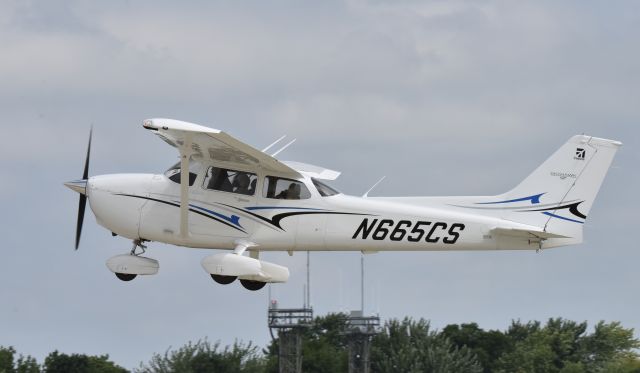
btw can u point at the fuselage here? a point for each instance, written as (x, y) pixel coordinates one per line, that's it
(147, 207)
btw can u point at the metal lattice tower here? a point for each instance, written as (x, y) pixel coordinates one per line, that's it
(289, 324)
(359, 331)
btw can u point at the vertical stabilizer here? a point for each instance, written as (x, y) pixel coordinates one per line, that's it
(558, 195)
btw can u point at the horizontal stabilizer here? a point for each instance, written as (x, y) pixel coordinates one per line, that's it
(529, 234)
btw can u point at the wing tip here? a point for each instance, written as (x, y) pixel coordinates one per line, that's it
(165, 124)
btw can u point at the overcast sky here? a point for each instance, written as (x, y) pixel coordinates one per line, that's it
(444, 98)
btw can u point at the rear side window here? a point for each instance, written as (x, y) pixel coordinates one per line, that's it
(232, 181)
(280, 188)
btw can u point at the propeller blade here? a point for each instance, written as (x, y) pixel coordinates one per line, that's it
(83, 198)
(81, 206)
(85, 174)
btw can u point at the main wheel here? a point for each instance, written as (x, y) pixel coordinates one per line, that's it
(224, 280)
(252, 285)
(125, 276)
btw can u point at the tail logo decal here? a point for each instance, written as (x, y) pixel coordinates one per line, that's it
(580, 154)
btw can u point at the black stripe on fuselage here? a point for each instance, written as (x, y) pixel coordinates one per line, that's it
(190, 209)
(276, 219)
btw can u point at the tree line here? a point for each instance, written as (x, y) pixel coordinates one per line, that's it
(408, 345)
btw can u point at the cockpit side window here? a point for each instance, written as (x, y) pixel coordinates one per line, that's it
(173, 173)
(232, 181)
(280, 188)
(323, 188)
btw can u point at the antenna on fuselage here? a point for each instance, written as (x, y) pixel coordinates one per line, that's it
(374, 185)
(283, 148)
(273, 143)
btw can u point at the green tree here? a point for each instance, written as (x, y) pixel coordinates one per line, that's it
(27, 364)
(56, 362)
(625, 364)
(410, 346)
(204, 356)
(6, 359)
(608, 344)
(323, 346)
(24, 364)
(488, 346)
(564, 346)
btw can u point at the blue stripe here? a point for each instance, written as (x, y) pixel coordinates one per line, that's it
(562, 217)
(534, 200)
(281, 207)
(233, 219)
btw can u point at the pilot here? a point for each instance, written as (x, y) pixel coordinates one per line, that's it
(284, 194)
(293, 192)
(241, 183)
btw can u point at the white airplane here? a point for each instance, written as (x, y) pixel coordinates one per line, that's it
(238, 198)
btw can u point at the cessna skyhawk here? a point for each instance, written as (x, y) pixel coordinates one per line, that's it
(225, 194)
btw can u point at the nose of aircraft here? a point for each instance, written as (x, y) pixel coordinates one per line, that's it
(116, 201)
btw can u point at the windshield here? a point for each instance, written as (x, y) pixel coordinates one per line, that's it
(173, 173)
(324, 189)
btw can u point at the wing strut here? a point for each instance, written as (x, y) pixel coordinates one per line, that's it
(185, 155)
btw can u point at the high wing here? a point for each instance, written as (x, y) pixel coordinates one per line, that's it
(203, 143)
(211, 144)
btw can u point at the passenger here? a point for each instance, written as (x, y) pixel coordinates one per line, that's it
(241, 182)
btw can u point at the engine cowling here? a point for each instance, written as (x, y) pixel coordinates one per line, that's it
(133, 264)
(244, 267)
